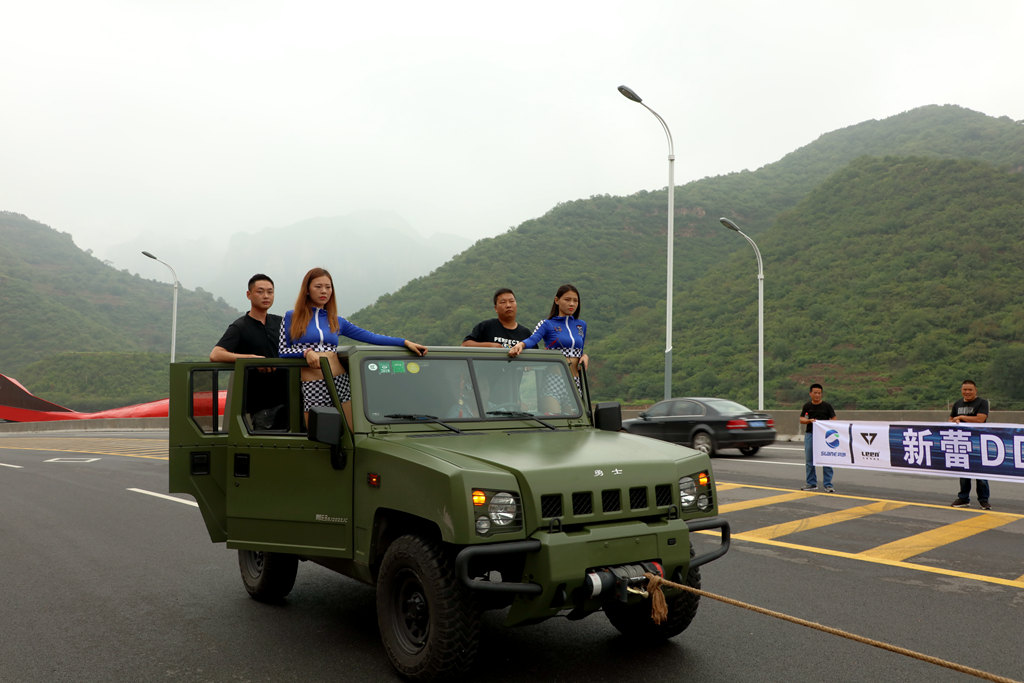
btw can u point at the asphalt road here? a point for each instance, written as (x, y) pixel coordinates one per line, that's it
(103, 580)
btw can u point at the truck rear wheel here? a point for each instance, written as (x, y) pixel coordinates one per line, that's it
(429, 622)
(267, 576)
(634, 621)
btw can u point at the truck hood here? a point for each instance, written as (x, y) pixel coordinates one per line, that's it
(583, 471)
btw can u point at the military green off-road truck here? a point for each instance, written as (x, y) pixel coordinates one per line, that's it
(466, 481)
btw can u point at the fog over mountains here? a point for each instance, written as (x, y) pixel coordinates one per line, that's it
(368, 253)
(892, 252)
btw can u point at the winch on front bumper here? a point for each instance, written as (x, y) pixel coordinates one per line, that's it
(580, 571)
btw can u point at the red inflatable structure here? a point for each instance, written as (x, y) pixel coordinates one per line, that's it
(18, 404)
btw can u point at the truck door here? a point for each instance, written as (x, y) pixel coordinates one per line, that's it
(283, 494)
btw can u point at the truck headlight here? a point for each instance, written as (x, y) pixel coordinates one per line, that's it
(503, 509)
(695, 492)
(687, 491)
(496, 511)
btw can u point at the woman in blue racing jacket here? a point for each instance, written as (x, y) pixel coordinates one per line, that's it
(562, 330)
(313, 329)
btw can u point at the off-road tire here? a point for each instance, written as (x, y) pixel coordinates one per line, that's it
(429, 622)
(268, 577)
(634, 620)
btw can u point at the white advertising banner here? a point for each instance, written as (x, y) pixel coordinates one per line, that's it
(984, 451)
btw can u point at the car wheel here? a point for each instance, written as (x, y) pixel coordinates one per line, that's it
(268, 577)
(750, 450)
(634, 621)
(703, 443)
(429, 622)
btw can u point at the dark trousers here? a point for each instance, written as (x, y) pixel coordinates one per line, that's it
(965, 489)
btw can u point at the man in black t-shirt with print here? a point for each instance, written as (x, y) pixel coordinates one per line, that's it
(970, 408)
(503, 331)
(812, 411)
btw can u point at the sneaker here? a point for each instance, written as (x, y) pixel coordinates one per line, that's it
(960, 503)
(829, 488)
(810, 487)
(984, 505)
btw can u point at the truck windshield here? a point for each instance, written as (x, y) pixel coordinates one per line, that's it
(460, 389)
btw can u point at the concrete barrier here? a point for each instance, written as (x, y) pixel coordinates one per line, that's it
(121, 424)
(787, 422)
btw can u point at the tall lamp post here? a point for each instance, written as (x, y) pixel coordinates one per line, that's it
(174, 307)
(760, 313)
(629, 94)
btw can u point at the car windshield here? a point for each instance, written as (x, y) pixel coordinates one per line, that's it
(461, 389)
(727, 407)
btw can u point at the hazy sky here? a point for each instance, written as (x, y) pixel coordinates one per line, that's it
(208, 117)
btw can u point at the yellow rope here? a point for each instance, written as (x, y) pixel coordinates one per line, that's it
(659, 612)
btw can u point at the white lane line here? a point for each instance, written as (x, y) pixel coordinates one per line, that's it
(13, 467)
(758, 461)
(166, 497)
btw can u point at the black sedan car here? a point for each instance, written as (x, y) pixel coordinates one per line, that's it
(707, 424)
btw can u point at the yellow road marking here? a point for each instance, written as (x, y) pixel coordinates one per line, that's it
(149, 449)
(929, 540)
(758, 502)
(980, 521)
(1015, 583)
(819, 521)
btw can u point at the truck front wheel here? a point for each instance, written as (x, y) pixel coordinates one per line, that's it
(268, 577)
(429, 622)
(634, 621)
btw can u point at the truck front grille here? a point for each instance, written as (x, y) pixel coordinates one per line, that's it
(637, 499)
(582, 503)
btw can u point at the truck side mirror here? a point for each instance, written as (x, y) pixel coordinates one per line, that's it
(327, 425)
(608, 416)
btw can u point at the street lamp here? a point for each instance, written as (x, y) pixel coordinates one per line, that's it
(629, 94)
(174, 308)
(760, 313)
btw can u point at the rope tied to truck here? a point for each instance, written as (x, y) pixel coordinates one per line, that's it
(659, 613)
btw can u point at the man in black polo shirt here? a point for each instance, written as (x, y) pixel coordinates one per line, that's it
(255, 335)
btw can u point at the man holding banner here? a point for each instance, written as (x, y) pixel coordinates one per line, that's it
(813, 410)
(970, 408)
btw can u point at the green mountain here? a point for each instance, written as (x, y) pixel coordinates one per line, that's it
(73, 325)
(916, 187)
(890, 283)
(891, 251)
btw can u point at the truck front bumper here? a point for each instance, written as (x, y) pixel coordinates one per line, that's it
(556, 564)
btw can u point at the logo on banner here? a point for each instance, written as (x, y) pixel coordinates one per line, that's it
(868, 437)
(832, 438)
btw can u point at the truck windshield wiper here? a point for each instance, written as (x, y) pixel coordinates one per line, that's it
(418, 417)
(519, 413)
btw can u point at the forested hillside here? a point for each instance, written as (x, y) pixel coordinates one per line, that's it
(892, 254)
(891, 282)
(63, 309)
(845, 192)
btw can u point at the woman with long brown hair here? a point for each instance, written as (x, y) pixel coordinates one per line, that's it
(312, 331)
(562, 330)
